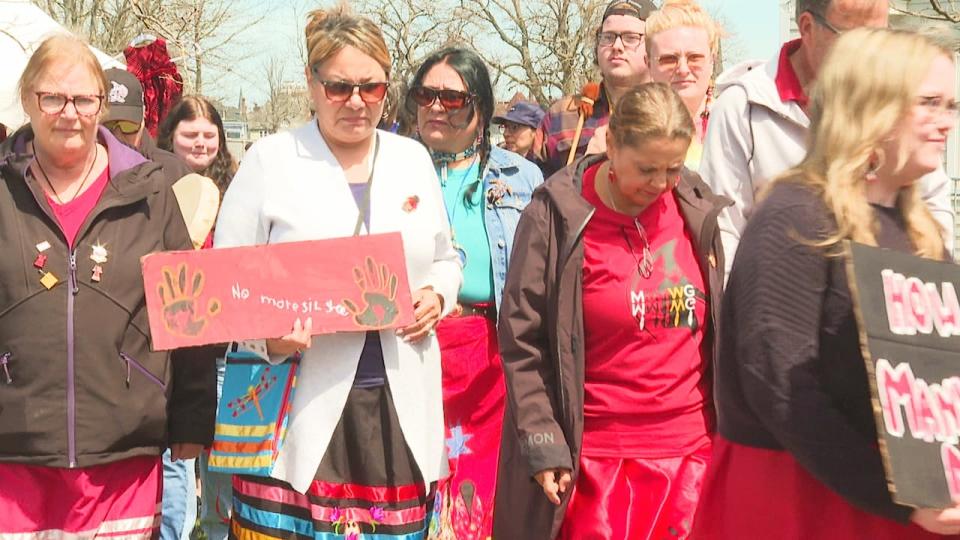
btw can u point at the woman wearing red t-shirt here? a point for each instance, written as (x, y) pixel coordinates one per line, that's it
(606, 331)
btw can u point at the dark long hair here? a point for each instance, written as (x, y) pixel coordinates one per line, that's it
(476, 77)
(223, 167)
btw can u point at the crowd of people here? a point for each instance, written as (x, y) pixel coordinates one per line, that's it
(632, 318)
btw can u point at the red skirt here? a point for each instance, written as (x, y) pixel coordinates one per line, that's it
(758, 493)
(635, 498)
(120, 499)
(473, 394)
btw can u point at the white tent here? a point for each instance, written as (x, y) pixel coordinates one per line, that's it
(23, 26)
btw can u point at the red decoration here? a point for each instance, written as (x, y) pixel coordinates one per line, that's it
(411, 204)
(162, 83)
(40, 261)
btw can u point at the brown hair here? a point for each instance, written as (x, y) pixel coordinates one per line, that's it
(223, 167)
(650, 111)
(56, 48)
(329, 31)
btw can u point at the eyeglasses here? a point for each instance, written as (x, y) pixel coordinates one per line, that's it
(671, 62)
(124, 126)
(341, 91)
(450, 100)
(939, 105)
(54, 103)
(822, 21)
(630, 40)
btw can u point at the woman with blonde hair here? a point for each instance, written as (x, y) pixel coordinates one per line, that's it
(365, 441)
(86, 407)
(683, 42)
(606, 333)
(797, 445)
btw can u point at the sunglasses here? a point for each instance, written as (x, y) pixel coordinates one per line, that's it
(125, 126)
(341, 91)
(450, 100)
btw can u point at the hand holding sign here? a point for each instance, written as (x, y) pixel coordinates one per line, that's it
(299, 339)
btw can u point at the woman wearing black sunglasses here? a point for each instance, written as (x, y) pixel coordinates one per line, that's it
(485, 188)
(364, 444)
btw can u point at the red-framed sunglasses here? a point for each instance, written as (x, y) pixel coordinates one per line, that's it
(341, 91)
(450, 100)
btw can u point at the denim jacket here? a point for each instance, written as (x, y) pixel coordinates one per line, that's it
(520, 177)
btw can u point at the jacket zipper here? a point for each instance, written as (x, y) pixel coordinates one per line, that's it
(71, 383)
(4, 361)
(131, 362)
(563, 266)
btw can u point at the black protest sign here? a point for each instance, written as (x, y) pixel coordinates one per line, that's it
(909, 319)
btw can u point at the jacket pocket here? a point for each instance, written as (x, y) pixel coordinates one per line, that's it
(5, 376)
(130, 362)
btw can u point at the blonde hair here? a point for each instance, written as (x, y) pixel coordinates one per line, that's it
(867, 86)
(329, 31)
(57, 48)
(677, 13)
(650, 111)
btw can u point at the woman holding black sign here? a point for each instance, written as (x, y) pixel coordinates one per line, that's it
(797, 456)
(364, 444)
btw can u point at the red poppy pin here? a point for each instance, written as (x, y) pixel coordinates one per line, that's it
(411, 203)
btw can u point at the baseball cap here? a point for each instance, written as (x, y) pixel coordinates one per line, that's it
(640, 9)
(124, 97)
(522, 112)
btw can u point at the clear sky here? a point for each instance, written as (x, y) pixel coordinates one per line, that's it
(754, 24)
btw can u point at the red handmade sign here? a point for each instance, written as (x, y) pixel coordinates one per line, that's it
(230, 294)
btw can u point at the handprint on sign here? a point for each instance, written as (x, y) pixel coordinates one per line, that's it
(379, 287)
(181, 315)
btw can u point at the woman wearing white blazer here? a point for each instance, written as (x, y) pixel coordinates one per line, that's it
(365, 439)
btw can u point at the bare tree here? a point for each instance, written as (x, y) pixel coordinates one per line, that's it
(935, 10)
(200, 33)
(107, 24)
(286, 101)
(203, 32)
(413, 29)
(542, 47)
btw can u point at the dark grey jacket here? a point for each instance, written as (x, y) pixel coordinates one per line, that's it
(541, 340)
(84, 387)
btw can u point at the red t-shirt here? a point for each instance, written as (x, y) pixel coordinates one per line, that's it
(72, 214)
(645, 392)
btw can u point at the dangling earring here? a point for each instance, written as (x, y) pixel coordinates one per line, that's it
(873, 165)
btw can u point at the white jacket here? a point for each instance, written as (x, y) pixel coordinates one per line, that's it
(753, 136)
(289, 188)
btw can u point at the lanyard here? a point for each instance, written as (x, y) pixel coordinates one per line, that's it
(364, 208)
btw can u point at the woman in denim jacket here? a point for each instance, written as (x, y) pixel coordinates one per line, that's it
(485, 189)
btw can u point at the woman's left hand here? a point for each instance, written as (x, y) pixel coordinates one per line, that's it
(427, 306)
(180, 451)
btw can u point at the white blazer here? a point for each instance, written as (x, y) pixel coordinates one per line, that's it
(291, 188)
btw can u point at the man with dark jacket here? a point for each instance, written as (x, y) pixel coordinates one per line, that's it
(124, 119)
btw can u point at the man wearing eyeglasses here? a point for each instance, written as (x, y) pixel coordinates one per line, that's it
(620, 55)
(758, 126)
(124, 118)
